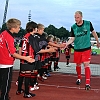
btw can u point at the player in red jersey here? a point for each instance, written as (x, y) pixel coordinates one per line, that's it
(8, 55)
(30, 46)
(27, 70)
(43, 42)
(67, 52)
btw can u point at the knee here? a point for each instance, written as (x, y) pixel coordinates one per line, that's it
(78, 64)
(86, 64)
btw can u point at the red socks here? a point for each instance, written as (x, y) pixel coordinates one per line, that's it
(78, 70)
(87, 75)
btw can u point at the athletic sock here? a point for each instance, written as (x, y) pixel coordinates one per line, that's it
(20, 81)
(26, 83)
(33, 79)
(67, 61)
(78, 70)
(49, 65)
(55, 65)
(87, 75)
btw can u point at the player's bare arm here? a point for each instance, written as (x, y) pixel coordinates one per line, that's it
(96, 38)
(70, 41)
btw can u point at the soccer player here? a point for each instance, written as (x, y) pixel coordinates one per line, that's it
(8, 55)
(80, 35)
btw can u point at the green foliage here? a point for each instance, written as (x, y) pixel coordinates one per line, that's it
(98, 33)
(51, 30)
(19, 34)
(0, 29)
(97, 50)
(62, 33)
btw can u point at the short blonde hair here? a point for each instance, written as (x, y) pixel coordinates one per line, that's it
(13, 23)
(79, 12)
(58, 39)
(50, 37)
(55, 39)
(40, 26)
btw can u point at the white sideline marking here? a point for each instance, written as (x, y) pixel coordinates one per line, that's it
(74, 75)
(70, 87)
(67, 87)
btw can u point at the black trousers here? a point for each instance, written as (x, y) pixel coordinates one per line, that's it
(5, 82)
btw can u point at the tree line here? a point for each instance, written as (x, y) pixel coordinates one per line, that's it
(61, 32)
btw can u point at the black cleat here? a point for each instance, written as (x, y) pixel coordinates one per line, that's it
(30, 95)
(58, 67)
(87, 87)
(19, 92)
(78, 82)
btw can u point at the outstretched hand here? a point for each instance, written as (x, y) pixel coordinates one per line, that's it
(52, 49)
(62, 45)
(98, 45)
(30, 59)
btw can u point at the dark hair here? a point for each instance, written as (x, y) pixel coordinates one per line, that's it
(30, 26)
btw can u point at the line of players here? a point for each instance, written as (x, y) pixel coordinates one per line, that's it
(43, 72)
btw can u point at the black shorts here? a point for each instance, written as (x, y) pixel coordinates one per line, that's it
(42, 63)
(46, 60)
(55, 59)
(37, 65)
(27, 67)
(68, 57)
(49, 59)
(30, 66)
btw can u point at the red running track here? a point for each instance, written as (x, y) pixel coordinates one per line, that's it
(60, 87)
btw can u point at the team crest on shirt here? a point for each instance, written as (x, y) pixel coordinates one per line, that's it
(1, 37)
(1, 40)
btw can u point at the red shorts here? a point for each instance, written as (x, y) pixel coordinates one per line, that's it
(84, 56)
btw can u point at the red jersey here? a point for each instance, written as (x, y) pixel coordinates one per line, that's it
(7, 48)
(26, 48)
(68, 50)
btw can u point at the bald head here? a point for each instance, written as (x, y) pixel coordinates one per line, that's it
(78, 12)
(78, 17)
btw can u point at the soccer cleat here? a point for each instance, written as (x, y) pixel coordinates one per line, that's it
(78, 82)
(47, 75)
(55, 70)
(87, 87)
(34, 88)
(19, 92)
(30, 95)
(16, 83)
(36, 83)
(58, 67)
(50, 70)
(68, 65)
(44, 77)
(40, 78)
